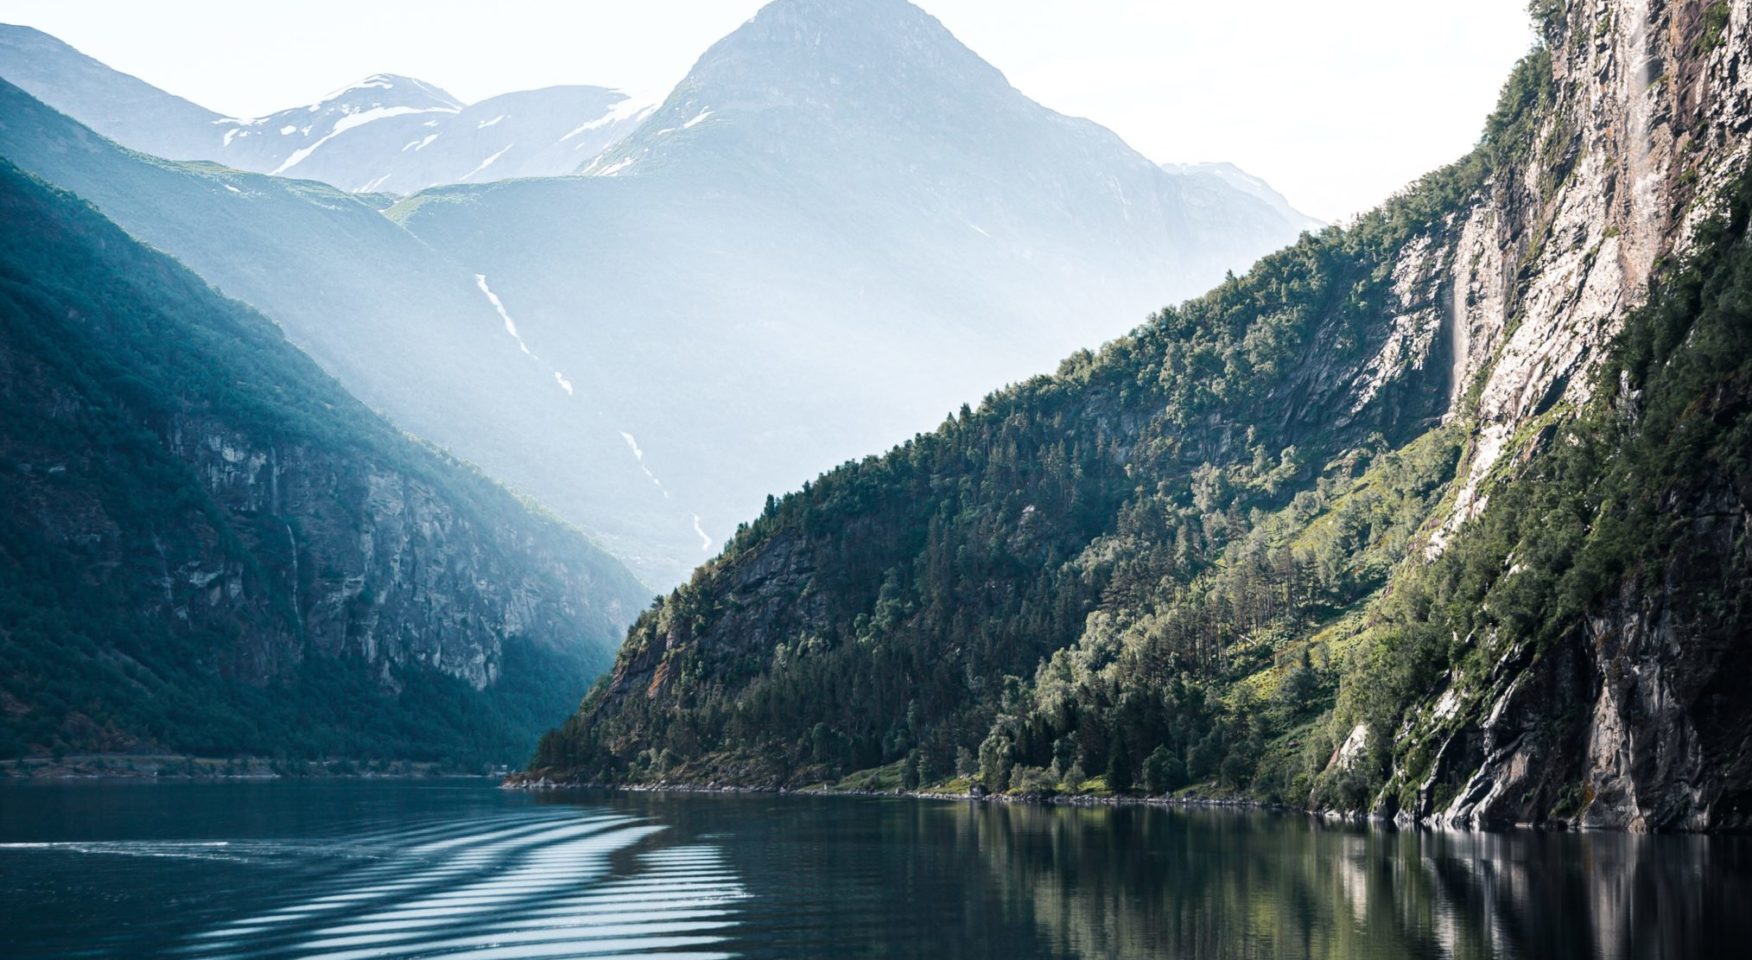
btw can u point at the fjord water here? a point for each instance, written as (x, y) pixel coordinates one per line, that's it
(356, 870)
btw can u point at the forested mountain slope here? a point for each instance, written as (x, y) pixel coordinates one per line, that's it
(842, 222)
(407, 330)
(209, 547)
(1442, 515)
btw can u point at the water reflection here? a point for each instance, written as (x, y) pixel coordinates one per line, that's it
(357, 871)
(565, 883)
(1147, 883)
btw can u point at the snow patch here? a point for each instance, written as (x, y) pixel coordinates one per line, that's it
(346, 123)
(484, 124)
(232, 188)
(289, 129)
(613, 168)
(628, 109)
(565, 384)
(510, 324)
(696, 121)
(418, 145)
(376, 81)
(705, 541)
(351, 120)
(633, 444)
(486, 163)
(639, 455)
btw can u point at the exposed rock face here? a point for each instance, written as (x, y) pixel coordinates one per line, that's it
(772, 603)
(1480, 305)
(190, 496)
(376, 563)
(1634, 722)
(1624, 725)
(1546, 266)
(841, 202)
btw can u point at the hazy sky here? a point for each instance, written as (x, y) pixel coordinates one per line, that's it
(1337, 102)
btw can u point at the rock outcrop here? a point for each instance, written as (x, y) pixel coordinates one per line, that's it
(1620, 726)
(1319, 461)
(194, 511)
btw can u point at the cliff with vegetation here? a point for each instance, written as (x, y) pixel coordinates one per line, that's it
(210, 548)
(1441, 515)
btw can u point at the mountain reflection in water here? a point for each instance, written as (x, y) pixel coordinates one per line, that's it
(351, 871)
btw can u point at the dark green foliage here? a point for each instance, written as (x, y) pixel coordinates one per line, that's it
(1714, 27)
(96, 656)
(1549, 15)
(1119, 767)
(1164, 772)
(1615, 511)
(1301, 689)
(1088, 566)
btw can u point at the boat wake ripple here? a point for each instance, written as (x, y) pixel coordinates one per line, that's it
(550, 885)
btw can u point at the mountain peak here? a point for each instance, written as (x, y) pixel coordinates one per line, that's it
(385, 90)
(795, 49)
(824, 71)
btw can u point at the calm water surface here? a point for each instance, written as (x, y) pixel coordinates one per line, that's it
(351, 871)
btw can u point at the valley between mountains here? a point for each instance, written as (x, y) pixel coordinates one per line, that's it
(368, 429)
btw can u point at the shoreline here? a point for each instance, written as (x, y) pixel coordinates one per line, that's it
(521, 782)
(545, 785)
(182, 768)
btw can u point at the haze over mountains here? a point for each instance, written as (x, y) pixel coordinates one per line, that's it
(386, 133)
(1444, 516)
(209, 547)
(842, 225)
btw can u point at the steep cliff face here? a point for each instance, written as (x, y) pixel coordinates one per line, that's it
(209, 546)
(1628, 718)
(1441, 515)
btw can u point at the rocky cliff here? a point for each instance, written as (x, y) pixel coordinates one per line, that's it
(1627, 719)
(1440, 516)
(209, 546)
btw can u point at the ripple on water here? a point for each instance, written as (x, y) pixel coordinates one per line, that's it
(579, 884)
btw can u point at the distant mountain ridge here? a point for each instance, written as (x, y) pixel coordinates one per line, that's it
(406, 329)
(1246, 182)
(386, 133)
(842, 224)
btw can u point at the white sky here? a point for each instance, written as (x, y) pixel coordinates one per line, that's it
(1336, 102)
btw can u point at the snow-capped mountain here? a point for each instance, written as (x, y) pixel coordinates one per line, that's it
(391, 134)
(842, 224)
(404, 328)
(384, 134)
(291, 138)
